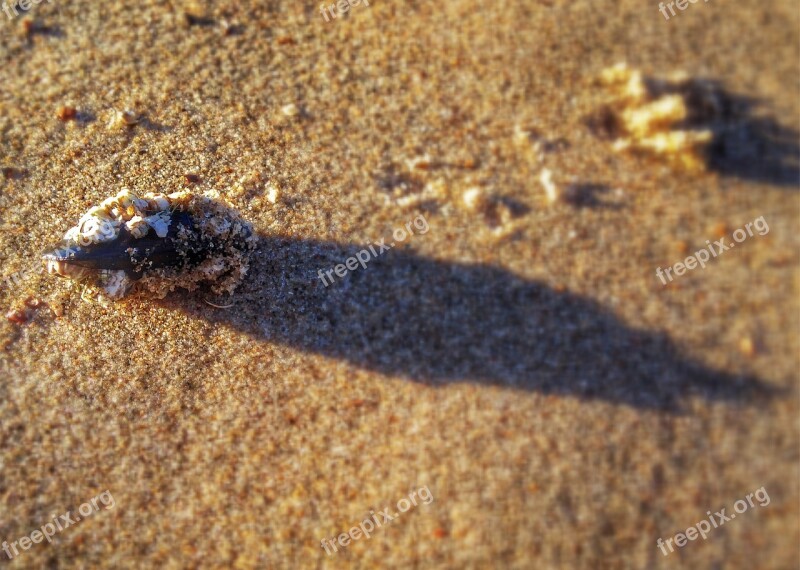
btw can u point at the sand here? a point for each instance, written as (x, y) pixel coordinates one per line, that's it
(520, 359)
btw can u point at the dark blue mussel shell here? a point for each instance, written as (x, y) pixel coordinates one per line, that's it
(182, 246)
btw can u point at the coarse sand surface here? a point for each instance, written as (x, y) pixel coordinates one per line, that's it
(513, 357)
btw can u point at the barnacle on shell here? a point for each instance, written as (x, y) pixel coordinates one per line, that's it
(155, 243)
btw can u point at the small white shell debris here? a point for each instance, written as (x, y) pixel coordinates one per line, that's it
(551, 190)
(290, 110)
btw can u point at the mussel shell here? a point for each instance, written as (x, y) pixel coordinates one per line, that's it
(182, 246)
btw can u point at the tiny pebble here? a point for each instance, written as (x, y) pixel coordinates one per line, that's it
(474, 199)
(130, 117)
(747, 347)
(57, 309)
(66, 113)
(27, 26)
(290, 110)
(718, 230)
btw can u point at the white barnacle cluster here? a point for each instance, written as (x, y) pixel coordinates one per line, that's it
(653, 120)
(215, 219)
(102, 223)
(115, 284)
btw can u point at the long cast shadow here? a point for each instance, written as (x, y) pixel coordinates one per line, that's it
(437, 322)
(747, 143)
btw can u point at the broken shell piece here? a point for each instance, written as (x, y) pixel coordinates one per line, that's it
(629, 83)
(155, 243)
(550, 188)
(653, 117)
(423, 162)
(120, 119)
(663, 116)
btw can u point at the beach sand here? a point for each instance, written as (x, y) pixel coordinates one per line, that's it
(520, 359)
